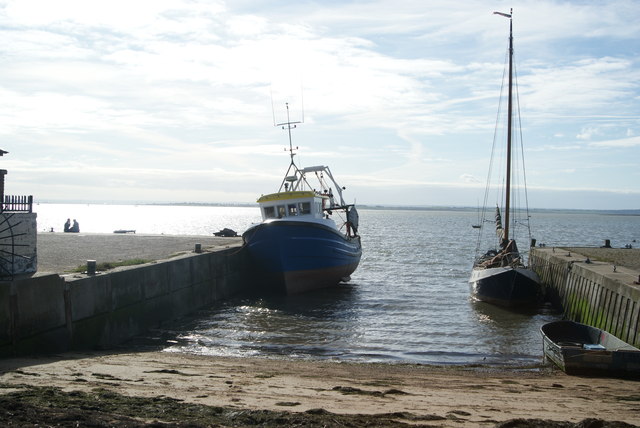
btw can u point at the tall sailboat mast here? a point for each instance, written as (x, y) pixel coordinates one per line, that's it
(507, 205)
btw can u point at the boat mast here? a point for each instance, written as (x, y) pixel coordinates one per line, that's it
(507, 204)
(288, 126)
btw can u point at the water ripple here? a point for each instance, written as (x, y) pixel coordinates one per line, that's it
(407, 302)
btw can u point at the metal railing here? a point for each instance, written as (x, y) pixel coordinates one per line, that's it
(22, 204)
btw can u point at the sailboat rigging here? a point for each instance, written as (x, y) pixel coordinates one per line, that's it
(500, 276)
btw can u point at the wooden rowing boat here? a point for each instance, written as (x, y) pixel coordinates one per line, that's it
(581, 349)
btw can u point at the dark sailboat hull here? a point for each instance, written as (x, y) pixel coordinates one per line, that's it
(506, 286)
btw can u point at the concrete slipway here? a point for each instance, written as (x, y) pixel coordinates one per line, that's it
(54, 311)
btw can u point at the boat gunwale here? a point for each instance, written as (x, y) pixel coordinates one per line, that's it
(274, 222)
(294, 194)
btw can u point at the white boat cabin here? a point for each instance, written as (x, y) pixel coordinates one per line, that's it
(294, 205)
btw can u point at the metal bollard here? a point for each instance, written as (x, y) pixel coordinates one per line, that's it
(91, 267)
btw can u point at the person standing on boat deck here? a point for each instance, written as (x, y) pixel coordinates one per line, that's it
(76, 227)
(67, 225)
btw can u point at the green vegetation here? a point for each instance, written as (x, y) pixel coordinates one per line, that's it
(101, 267)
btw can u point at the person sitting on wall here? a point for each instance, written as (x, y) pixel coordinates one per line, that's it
(67, 225)
(76, 227)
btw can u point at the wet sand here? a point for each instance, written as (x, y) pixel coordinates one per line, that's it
(306, 393)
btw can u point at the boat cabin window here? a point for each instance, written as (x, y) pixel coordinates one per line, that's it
(288, 210)
(305, 208)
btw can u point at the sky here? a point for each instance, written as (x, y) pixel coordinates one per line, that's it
(176, 100)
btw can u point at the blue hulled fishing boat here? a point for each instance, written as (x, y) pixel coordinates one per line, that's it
(308, 237)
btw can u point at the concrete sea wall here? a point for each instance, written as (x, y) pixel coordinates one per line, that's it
(592, 292)
(18, 241)
(50, 313)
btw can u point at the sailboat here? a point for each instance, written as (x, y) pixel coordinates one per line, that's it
(500, 275)
(477, 225)
(308, 238)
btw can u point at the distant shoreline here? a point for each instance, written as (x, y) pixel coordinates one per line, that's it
(627, 212)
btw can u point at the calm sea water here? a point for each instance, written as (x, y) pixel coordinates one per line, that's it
(407, 302)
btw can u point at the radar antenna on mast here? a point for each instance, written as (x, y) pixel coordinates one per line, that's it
(294, 176)
(288, 126)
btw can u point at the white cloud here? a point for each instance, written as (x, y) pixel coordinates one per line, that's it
(394, 92)
(620, 143)
(586, 134)
(117, 14)
(582, 86)
(468, 178)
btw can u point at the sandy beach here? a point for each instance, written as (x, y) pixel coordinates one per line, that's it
(133, 387)
(321, 393)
